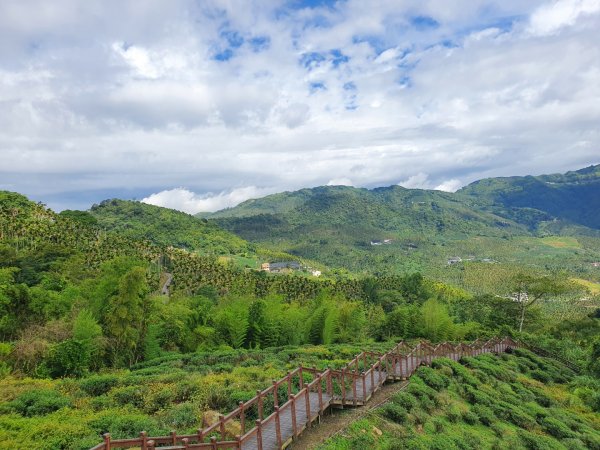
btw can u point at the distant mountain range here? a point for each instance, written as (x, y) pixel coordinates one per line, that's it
(494, 219)
(484, 231)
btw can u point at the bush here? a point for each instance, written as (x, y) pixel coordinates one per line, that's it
(574, 444)
(39, 402)
(405, 400)
(182, 416)
(129, 395)
(121, 424)
(98, 384)
(470, 417)
(538, 441)
(556, 428)
(394, 412)
(486, 415)
(433, 378)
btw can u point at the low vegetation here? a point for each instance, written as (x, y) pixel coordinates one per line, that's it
(516, 401)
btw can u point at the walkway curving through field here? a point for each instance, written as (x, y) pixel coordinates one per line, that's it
(278, 415)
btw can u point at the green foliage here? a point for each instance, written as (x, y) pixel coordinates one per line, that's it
(39, 402)
(439, 410)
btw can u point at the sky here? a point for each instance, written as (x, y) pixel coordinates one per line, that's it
(199, 105)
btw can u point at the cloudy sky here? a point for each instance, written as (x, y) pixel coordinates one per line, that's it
(198, 105)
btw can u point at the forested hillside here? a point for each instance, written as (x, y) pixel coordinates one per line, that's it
(542, 224)
(166, 227)
(572, 198)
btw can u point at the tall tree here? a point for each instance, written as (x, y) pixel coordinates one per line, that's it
(125, 321)
(530, 289)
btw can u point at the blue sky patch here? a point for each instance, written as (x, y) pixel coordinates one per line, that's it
(259, 43)
(424, 23)
(311, 60)
(224, 55)
(233, 38)
(349, 86)
(337, 57)
(317, 86)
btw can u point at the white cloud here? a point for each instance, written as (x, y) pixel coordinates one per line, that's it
(449, 185)
(551, 17)
(418, 181)
(115, 99)
(340, 182)
(187, 201)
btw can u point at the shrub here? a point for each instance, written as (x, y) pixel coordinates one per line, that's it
(432, 378)
(538, 441)
(394, 412)
(592, 440)
(574, 444)
(514, 415)
(182, 416)
(129, 395)
(470, 417)
(98, 384)
(556, 428)
(405, 400)
(486, 415)
(39, 402)
(121, 424)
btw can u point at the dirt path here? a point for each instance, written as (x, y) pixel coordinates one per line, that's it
(339, 419)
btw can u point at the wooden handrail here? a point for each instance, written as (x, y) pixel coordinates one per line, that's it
(421, 353)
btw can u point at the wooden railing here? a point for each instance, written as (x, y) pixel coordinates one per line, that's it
(308, 392)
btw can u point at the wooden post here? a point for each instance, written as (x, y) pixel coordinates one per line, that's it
(372, 380)
(259, 434)
(260, 405)
(186, 443)
(320, 390)
(343, 386)
(278, 427)
(329, 383)
(144, 438)
(364, 383)
(173, 435)
(213, 443)
(289, 380)
(200, 435)
(294, 426)
(364, 361)
(354, 389)
(222, 426)
(106, 441)
(238, 441)
(307, 399)
(242, 417)
(275, 394)
(151, 445)
(301, 374)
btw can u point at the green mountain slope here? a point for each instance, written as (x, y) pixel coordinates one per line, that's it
(347, 227)
(573, 197)
(167, 227)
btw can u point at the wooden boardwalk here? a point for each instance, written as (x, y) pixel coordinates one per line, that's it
(310, 393)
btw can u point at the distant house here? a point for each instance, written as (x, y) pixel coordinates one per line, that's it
(284, 266)
(454, 260)
(316, 273)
